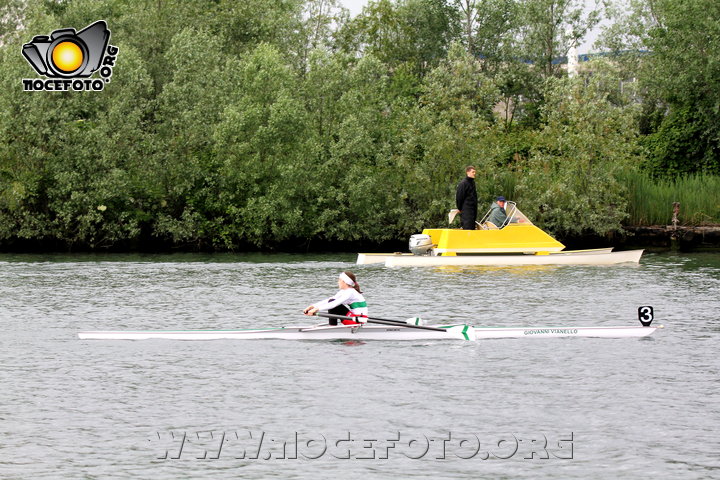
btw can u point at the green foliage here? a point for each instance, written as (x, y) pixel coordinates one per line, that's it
(488, 29)
(679, 78)
(569, 180)
(679, 146)
(230, 125)
(260, 134)
(446, 131)
(11, 14)
(548, 27)
(416, 32)
(651, 200)
(65, 157)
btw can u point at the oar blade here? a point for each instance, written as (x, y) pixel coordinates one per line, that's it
(415, 321)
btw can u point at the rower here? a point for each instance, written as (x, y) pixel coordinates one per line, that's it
(348, 301)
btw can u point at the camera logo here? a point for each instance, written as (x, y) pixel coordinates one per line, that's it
(68, 58)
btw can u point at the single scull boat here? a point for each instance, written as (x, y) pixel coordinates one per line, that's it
(373, 332)
(385, 330)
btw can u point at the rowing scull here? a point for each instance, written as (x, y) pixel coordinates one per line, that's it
(375, 332)
(384, 329)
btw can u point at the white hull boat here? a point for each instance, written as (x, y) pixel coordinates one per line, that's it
(580, 257)
(375, 332)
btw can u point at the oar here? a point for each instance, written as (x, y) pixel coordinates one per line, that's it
(382, 321)
(400, 322)
(386, 321)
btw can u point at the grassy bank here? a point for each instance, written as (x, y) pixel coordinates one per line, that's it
(651, 200)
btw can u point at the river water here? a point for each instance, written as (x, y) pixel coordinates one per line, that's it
(516, 408)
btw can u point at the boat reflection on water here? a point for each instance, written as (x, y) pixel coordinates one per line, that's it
(512, 269)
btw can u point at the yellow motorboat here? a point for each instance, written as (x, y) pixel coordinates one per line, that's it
(516, 242)
(516, 235)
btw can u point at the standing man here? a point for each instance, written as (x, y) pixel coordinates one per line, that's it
(466, 199)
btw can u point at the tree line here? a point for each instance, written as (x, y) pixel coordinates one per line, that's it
(230, 125)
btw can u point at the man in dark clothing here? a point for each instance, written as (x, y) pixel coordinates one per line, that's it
(466, 199)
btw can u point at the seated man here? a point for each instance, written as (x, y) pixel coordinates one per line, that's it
(498, 216)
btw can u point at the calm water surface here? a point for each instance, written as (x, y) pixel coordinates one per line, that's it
(518, 408)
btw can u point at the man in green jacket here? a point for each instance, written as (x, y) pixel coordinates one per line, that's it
(497, 212)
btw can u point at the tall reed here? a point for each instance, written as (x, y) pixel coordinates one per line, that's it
(651, 200)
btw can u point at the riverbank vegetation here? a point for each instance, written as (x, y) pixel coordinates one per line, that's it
(230, 125)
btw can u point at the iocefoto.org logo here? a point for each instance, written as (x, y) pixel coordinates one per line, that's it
(68, 59)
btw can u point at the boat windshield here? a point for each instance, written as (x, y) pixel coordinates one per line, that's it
(514, 215)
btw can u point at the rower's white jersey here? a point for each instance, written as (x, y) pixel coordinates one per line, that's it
(351, 298)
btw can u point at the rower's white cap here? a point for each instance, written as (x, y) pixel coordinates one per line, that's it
(346, 279)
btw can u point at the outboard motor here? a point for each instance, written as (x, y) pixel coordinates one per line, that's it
(420, 244)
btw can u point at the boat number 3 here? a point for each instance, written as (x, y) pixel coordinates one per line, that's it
(645, 315)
